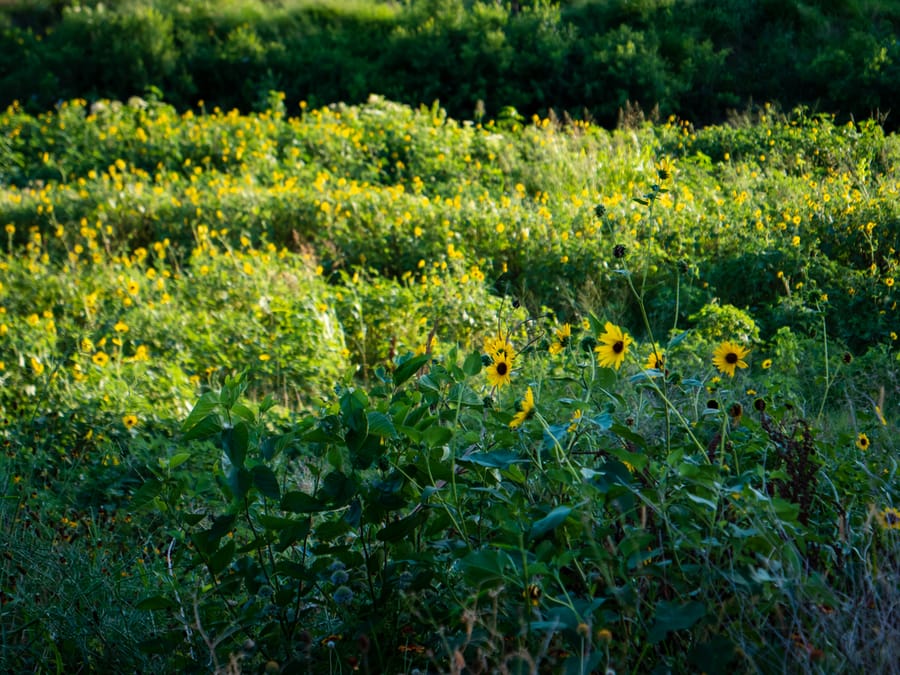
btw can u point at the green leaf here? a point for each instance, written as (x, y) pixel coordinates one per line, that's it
(473, 364)
(411, 433)
(155, 602)
(235, 442)
(498, 459)
(465, 395)
(176, 460)
(265, 481)
(205, 405)
(485, 568)
(205, 428)
(145, 494)
(697, 499)
(340, 487)
(278, 522)
(239, 481)
(672, 616)
(436, 435)
(408, 368)
(219, 560)
(403, 528)
(678, 339)
(549, 522)
(300, 502)
(381, 425)
(717, 656)
(243, 412)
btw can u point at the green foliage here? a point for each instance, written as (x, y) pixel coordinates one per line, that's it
(589, 58)
(253, 395)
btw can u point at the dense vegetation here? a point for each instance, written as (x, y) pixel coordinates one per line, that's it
(370, 387)
(696, 59)
(294, 385)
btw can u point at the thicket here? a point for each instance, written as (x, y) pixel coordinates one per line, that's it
(589, 58)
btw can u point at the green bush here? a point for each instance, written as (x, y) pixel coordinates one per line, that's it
(588, 58)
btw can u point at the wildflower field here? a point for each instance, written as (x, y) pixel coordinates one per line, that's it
(367, 388)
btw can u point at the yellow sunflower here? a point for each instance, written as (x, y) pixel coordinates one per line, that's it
(656, 361)
(526, 410)
(665, 169)
(863, 442)
(500, 371)
(499, 346)
(889, 519)
(728, 356)
(613, 346)
(563, 336)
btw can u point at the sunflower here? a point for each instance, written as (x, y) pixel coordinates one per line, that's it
(889, 519)
(665, 168)
(767, 364)
(563, 336)
(656, 361)
(100, 359)
(613, 346)
(863, 442)
(499, 346)
(498, 373)
(130, 421)
(526, 410)
(728, 356)
(575, 420)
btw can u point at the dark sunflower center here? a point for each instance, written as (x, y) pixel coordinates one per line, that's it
(502, 368)
(731, 357)
(891, 518)
(619, 347)
(864, 442)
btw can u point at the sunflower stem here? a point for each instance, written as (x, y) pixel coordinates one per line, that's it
(828, 381)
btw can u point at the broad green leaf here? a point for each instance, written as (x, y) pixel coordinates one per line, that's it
(278, 522)
(243, 412)
(177, 460)
(381, 425)
(265, 481)
(235, 442)
(485, 567)
(716, 656)
(555, 435)
(145, 494)
(219, 560)
(437, 435)
(697, 499)
(678, 339)
(204, 428)
(403, 528)
(340, 487)
(499, 459)
(205, 405)
(465, 395)
(407, 369)
(549, 522)
(411, 433)
(672, 616)
(627, 434)
(300, 502)
(473, 364)
(155, 602)
(239, 481)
